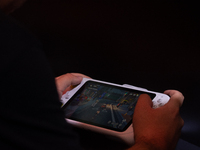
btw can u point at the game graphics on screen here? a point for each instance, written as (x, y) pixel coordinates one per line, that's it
(102, 105)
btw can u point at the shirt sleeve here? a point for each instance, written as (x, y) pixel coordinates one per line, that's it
(30, 113)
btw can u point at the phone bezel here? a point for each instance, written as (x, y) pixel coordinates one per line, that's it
(152, 95)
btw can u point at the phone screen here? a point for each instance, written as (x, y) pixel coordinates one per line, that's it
(103, 105)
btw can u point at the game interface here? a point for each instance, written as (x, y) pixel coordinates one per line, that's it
(103, 105)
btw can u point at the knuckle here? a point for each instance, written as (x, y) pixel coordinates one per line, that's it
(69, 75)
(182, 122)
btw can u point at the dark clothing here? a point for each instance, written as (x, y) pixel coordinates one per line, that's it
(30, 114)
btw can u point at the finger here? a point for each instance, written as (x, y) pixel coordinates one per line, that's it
(82, 75)
(176, 98)
(67, 80)
(75, 74)
(144, 102)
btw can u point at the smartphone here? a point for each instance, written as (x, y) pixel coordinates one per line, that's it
(106, 107)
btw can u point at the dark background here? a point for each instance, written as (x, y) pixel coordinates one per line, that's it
(151, 44)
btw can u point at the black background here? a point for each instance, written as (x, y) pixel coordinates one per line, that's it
(151, 44)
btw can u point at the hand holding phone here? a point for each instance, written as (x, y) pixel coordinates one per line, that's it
(65, 82)
(157, 128)
(106, 107)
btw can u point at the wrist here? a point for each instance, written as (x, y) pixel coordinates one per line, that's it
(144, 144)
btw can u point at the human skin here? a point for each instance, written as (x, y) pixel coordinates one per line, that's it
(154, 129)
(157, 129)
(66, 82)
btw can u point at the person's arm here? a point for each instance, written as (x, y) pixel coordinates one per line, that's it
(157, 129)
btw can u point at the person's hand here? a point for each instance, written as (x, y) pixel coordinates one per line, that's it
(158, 128)
(66, 82)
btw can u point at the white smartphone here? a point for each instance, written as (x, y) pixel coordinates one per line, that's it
(106, 107)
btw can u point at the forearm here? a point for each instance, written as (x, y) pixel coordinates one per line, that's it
(143, 146)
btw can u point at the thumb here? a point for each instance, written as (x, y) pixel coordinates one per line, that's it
(144, 102)
(143, 107)
(66, 80)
